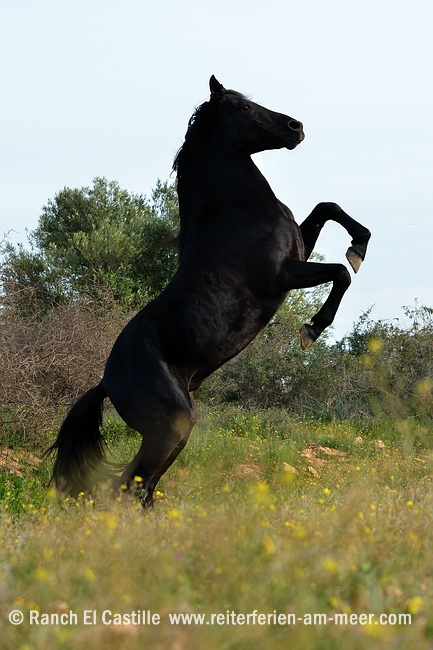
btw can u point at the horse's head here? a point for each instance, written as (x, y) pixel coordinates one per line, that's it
(251, 126)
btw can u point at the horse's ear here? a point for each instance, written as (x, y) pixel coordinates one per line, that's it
(216, 89)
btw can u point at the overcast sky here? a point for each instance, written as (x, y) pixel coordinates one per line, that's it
(106, 87)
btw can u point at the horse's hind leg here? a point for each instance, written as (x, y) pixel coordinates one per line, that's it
(184, 422)
(147, 499)
(323, 212)
(152, 398)
(163, 441)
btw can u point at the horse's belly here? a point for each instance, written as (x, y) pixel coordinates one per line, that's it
(210, 331)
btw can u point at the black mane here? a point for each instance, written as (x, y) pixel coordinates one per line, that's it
(191, 124)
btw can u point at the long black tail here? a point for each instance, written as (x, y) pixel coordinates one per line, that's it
(81, 462)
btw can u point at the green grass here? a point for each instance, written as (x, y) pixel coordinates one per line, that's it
(234, 529)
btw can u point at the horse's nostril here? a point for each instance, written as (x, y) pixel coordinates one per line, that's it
(295, 125)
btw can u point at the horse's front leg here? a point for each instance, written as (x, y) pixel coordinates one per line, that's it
(302, 275)
(313, 224)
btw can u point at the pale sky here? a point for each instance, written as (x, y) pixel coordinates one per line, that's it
(106, 88)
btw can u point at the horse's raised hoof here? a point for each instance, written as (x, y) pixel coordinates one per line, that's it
(354, 258)
(307, 337)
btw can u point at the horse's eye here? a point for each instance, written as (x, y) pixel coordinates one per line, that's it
(246, 107)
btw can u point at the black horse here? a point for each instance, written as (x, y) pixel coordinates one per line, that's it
(240, 253)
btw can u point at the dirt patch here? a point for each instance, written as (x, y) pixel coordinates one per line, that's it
(315, 452)
(15, 462)
(247, 471)
(316, 455)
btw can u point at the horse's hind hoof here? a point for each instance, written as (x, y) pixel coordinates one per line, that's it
(306, 337)
(354, 258)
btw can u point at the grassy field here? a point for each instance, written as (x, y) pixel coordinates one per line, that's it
(261, 515)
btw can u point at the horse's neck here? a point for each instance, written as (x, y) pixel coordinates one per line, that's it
(219, 174)
(210, 186)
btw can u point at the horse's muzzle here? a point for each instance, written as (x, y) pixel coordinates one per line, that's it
(298, 129)
(294, 139)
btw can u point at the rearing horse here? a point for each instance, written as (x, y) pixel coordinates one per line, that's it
(240, 253)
